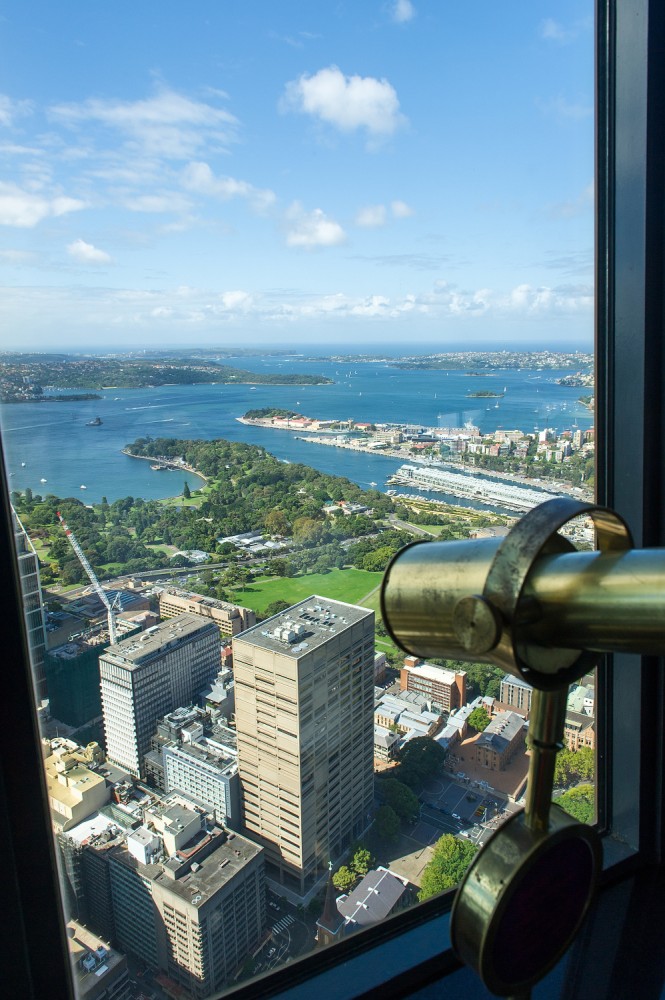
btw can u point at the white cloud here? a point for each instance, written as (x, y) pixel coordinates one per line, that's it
(86, 253)
(581, 205)
(82, 311)
(311, 229)
(402, 11)
(18, 257)
(237, 301)
(26, 209)
(401, 210)
(10, 110)
(167, 202)
(371, 217)
(554, 31)
(199, 177)
(347, 102)
(167, 124)
(560, 108)
(551, 29)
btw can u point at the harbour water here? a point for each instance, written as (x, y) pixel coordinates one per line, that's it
(51, 448)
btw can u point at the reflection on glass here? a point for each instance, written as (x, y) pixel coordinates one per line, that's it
(293, 304)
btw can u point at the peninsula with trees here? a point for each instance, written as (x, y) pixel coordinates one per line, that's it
(29, 379)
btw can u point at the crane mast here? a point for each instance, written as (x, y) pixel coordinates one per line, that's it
(101, 593)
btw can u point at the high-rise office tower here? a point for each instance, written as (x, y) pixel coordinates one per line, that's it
(196, 916)
(33, 608)
(148, 675)
(304, 720)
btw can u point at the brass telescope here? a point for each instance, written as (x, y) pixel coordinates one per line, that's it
(458, 599)
(533, 605)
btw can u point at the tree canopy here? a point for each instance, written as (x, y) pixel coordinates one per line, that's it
(361, 860)
(579, 802)
(418, 760)
(248, 489)
(344, 879)
(574, 765)
(386, 823)
(449, 862)
(479, 719)
(400, 798)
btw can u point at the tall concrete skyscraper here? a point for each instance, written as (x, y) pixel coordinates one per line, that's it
(33, 608)
(304, 719)
(148, 675)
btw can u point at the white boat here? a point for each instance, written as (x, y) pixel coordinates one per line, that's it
(23, 465)
(43, 480)
(83, 487)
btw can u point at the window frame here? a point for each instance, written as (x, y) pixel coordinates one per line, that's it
(410, 950)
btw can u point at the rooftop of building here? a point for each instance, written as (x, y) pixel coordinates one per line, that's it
(206, 752)
(384, 737)
(406, 699)
(101, 830)
(373, 898)
(501, 731)
(578, 720)
(68, 784)
(92, 958)
(139, 648)
(91, 638)
(517, 681)
(304, 626)
(208, 602)
(431, 672)
(218, 737)
(200, 879)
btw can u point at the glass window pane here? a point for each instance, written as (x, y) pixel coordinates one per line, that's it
(289, 288)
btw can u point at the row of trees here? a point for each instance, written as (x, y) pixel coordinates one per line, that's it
(579, 802)
(449, 862)
(359, 864)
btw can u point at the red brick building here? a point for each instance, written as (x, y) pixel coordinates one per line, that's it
(446, 689)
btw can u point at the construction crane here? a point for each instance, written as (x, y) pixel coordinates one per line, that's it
(101, 593)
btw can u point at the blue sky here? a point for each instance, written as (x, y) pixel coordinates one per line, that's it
(230, 172)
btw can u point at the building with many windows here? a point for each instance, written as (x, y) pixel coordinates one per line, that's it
(445, 689)
(516, 693)
(208, 773)
(304, 720)
(579, 731)
(229, 618)
(153, 673)
(33, 607)
(196, 916)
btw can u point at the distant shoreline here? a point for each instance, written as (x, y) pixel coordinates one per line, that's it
(72, 398)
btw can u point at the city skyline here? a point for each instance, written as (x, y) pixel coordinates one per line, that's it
(385, 172)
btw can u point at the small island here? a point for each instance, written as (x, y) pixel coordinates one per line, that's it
(485, 394)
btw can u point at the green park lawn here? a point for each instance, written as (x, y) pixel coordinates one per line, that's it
(350, 585)
(170, 550)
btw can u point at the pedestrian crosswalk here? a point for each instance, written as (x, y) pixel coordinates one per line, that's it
(282, 924)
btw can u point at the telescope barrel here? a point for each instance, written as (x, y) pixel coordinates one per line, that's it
(587, 601)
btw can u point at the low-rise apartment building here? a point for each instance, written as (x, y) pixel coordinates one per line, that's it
(445, 689)
(231, 619)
